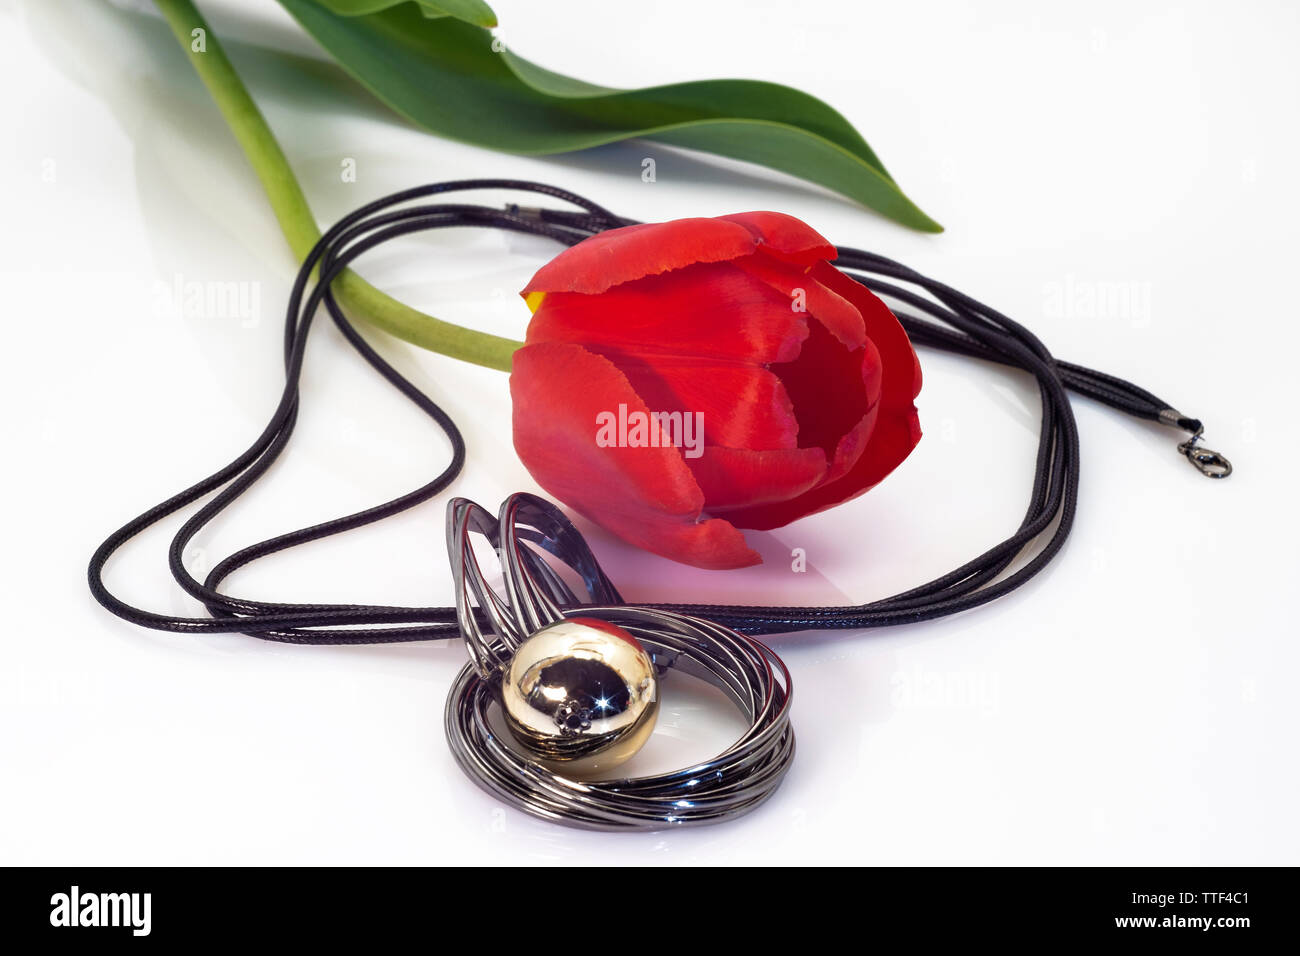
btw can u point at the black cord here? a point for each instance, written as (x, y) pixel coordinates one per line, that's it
(969, 328)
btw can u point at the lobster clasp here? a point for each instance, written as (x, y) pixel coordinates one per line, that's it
(1207, 462)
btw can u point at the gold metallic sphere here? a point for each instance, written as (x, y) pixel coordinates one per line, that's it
(580, 696)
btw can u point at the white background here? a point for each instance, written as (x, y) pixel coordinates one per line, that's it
(1135, 704)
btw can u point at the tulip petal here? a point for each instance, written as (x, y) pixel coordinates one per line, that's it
(794, 283)
(646, 495)
(902, 375)
(785, 236)
(829, 387)
(741, 477)
(851, 447)
(739, 406)
(894, 433)
(854, 443)
(713, 544)
(709, 310)
(633, 252)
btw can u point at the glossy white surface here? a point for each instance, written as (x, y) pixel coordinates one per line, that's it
(1135, 704)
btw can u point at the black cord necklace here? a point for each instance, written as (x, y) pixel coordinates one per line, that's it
(968, 328)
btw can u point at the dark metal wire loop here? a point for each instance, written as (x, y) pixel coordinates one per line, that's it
(534, 595)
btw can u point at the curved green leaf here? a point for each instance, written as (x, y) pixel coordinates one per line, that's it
(471, 11)
(446, 76)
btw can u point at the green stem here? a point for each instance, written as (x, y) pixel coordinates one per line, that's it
(358, 296)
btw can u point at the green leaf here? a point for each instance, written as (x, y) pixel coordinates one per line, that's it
(445, 76)
(471, 11)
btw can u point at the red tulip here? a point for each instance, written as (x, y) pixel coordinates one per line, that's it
(802, 379)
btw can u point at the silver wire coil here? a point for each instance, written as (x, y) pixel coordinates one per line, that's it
(535, 595)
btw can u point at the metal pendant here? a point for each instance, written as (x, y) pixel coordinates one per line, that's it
(581, 695)
(577, 685)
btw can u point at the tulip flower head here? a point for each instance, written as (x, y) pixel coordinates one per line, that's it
(682, 381)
